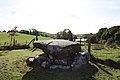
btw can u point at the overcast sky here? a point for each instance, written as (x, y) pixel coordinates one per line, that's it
(80, 16)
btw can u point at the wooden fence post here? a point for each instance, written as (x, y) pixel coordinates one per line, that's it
(80, 41)
(89, 45)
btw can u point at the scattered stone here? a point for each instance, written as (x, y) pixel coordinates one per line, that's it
(31, 59)
(45, 64)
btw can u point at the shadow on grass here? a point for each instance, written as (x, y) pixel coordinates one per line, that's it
(107, 62)
(85, 73)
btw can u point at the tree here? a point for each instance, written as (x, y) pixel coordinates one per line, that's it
(36, 33)
(74, 37)
(100, 32)
(109, 36)
(4, 31)
(30, 31)
(105, 35)
(59, 35)
(113, 30)
(24, 31)
(65, 34)
(12, 34)
(117, 36)
(70, 35)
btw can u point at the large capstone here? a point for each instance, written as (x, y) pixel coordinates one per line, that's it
(59, 49)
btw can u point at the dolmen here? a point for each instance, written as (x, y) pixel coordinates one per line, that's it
(58, 54)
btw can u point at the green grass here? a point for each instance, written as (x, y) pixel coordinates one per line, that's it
(13, 65)
(105, 54)
(21, 38)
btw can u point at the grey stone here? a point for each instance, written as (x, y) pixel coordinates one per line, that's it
(59, 49)
(45, 64)
(31, 59)
(59, 67)
(80, 59)
(60, 54)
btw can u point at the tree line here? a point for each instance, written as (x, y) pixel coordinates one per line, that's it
(107, 36)
(35, 32)
(65, 34)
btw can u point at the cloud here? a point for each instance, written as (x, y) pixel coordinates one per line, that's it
(74, 16)
(107, 4)
(81, 16)
(13, 12)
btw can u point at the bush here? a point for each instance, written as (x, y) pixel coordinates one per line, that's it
(4, 31)
(93, 39)
(105, 35)
(114, 46)
(109, 41)
(103, 41)
(24, 31)
(117, 42)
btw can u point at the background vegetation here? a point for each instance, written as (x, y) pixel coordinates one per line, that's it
(110, 37)
(105, 49)
(13, 67)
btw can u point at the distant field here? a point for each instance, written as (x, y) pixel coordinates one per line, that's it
(21, 38)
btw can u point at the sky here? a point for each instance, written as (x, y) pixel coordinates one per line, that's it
(80, 16)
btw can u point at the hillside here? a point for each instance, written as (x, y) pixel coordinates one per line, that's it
(21, 38)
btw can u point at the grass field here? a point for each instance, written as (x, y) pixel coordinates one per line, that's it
(21, 38)
(13, 66)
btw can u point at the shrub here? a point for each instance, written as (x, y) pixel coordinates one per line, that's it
(117, 42)
(109, 41)
(103, 41)
(105, 35)
(114, 46)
